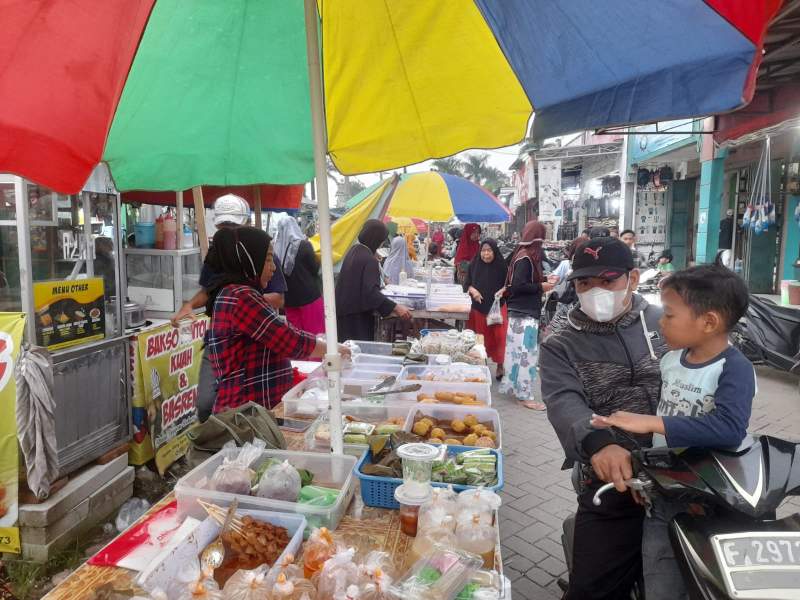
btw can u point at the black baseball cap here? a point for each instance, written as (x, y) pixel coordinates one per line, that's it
(604, 257)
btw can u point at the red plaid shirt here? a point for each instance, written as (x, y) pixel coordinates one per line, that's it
(250, 346)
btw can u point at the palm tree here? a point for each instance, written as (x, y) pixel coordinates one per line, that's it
(495, 179)
(475, 166)
(450, 165)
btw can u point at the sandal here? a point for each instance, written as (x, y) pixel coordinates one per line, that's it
(499, 374)
(533, 405)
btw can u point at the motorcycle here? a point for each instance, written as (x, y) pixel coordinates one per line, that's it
(738, 549)
(769, 334)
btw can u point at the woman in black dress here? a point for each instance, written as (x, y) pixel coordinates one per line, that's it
(358, 287)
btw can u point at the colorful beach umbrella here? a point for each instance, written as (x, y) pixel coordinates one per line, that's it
(407, 224)
(173, 94)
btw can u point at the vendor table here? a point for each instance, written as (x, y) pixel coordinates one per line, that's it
(380, 528)
(422, 319)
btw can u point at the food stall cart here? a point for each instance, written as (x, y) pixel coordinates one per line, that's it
(59, 263)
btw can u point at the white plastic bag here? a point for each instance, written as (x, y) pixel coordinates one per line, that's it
(247, 585)
(495, 316)
(234, 475)
(280, 482)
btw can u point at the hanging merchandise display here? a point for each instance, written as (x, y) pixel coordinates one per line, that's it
(760, 213)
(549, 190)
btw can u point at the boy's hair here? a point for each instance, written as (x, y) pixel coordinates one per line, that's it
(666, 254)
(715, 288)
(624, 231)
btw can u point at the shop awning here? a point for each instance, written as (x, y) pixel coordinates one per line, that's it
(273, 197)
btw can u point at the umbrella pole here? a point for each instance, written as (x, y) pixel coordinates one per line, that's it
(333, 364)
(200, 220)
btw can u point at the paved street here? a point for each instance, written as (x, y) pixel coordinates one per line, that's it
(538, 495)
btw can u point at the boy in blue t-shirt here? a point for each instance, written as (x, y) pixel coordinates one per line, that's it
(706, 396)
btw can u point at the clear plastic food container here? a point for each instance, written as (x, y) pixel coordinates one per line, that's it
(329, 470)
(452, 412)
(418, 374)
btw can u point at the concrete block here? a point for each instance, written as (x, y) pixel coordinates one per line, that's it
(104, 506)
(81, 513)
(80, 487)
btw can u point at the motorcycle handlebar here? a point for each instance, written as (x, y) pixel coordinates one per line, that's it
(635, 483)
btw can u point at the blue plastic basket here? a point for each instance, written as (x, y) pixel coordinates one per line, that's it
(379, 491)
(424, 332)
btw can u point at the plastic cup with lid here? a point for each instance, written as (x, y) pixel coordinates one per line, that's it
(417, 465)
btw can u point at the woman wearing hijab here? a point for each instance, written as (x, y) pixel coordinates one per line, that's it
(397, 261)
(486, 277)
(525, 284)
(438, 238)
(468, 247)
(358, 287)
(249, 344)
(303, 301)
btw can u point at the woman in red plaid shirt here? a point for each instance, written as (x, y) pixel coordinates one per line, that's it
(250, 345)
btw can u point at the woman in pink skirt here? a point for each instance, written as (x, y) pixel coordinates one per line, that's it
(303, 301)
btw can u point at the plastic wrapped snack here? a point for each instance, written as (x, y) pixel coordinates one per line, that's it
(234, 475)
(477, 537)
(338, 573)
(201, 590)
(247, 585)
(290, 589)
(440, 575)
(378, 588)
(376, 564)
(479, 499)
(442, 503)
(280, 482)
(319, 548)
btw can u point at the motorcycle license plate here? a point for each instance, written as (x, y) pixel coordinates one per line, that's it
(760, 565)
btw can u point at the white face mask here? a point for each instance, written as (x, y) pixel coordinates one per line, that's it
(604, 305)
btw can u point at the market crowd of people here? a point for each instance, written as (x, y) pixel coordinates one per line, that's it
(603, 355)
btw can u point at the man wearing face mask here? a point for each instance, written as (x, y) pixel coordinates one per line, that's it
(602, 356)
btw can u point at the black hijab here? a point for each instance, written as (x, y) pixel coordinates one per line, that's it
(373, 234)
(487, 278)
(237, 256)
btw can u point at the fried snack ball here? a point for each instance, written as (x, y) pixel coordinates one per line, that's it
(421, 428)
(434, 440)
(478, 429)
(485, 442)
(452, 442)
(438, 432)
(458, 426)
(490, 434)
(471, 440)
(470, 420)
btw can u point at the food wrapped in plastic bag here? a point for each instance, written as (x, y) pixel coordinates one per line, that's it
(478, 537)
(280, 482)
(201, 590)
(247, 585)
(338, 573)
(479, 499)
(291, 589)
(376, 564)
(319, 548)
(351, 593)
(378, 587)
(441, 505)
(442, 573)
(234, 475)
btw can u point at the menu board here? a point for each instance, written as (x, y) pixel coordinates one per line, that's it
(69, 312)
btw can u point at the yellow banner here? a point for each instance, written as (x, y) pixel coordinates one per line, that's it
(69, 312)
(12, 326)
(167, 371)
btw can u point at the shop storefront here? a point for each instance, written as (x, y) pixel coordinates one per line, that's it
(664, 160)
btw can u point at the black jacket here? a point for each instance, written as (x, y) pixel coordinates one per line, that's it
(524, 295)
(588, 367)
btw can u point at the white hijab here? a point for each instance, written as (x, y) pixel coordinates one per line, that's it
(287, 241)
(398, 260)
